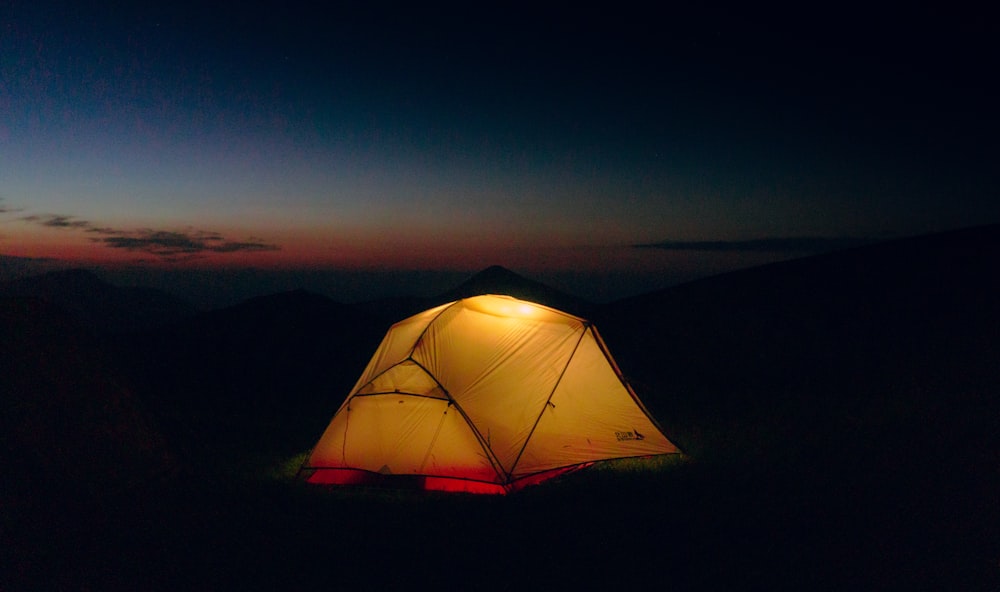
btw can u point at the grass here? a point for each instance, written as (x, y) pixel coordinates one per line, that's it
(285, 469)
(861, 514)
(672, 522)
(642, 465)
(802, 509)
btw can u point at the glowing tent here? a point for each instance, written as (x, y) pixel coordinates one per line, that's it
(484, 394)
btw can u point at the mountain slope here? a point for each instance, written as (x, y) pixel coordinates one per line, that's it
(263, 375)
(492, 280)
(500, 280)
(70, 421)
(98, 305)
(885, 355)
(868, 380)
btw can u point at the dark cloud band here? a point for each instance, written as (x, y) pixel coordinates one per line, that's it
(172, 244)
(4, 209)
(166, 244)
(58, 221)
(799, 244)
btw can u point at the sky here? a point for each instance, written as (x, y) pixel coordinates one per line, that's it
(607, 151)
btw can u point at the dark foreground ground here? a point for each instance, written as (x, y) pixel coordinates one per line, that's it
(682, 525)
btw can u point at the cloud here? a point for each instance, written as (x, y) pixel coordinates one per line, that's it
(797, 244)
(58, 221)
(7, 209)
(165, 244)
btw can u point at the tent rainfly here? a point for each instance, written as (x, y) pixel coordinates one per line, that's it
(486, 395)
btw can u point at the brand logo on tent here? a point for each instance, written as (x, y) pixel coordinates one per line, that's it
(633, 435)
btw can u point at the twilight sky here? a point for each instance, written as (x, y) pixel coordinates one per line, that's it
(620, 149)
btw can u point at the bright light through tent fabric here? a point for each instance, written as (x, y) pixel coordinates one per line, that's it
(488, 390)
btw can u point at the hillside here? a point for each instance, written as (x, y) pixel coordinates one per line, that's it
(98, 305)
(499, 280)
(492, 280)
(840, 340)
(260, 377)
(71, 421)
(870, 375)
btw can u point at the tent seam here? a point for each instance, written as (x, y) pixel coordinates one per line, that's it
(548, 400)
(490, 456)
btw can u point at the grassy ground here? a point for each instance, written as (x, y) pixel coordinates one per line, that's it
(675, 523)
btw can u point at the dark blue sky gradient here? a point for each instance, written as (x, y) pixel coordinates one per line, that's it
(434, 138)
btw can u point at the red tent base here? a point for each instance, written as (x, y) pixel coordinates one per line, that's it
(429, 483)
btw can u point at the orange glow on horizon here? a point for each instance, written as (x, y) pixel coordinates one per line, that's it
(309, 249)
(315, 248)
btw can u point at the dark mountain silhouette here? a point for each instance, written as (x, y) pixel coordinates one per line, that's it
(492, 280)
(869, 376)
(98, 305)
(267, 373)
(500, 280)
(396, 308)
(70, 422)
(12, 267)
(885, 355)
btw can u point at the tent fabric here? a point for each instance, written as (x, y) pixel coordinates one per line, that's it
(484, 394)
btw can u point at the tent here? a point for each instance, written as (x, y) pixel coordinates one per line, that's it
(484, 394)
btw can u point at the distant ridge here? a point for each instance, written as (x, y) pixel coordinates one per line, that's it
(71, 421)
(500, 280)
(267, 369)
(890, 341)
(98, 305)
(495, 279)
(916, 258)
